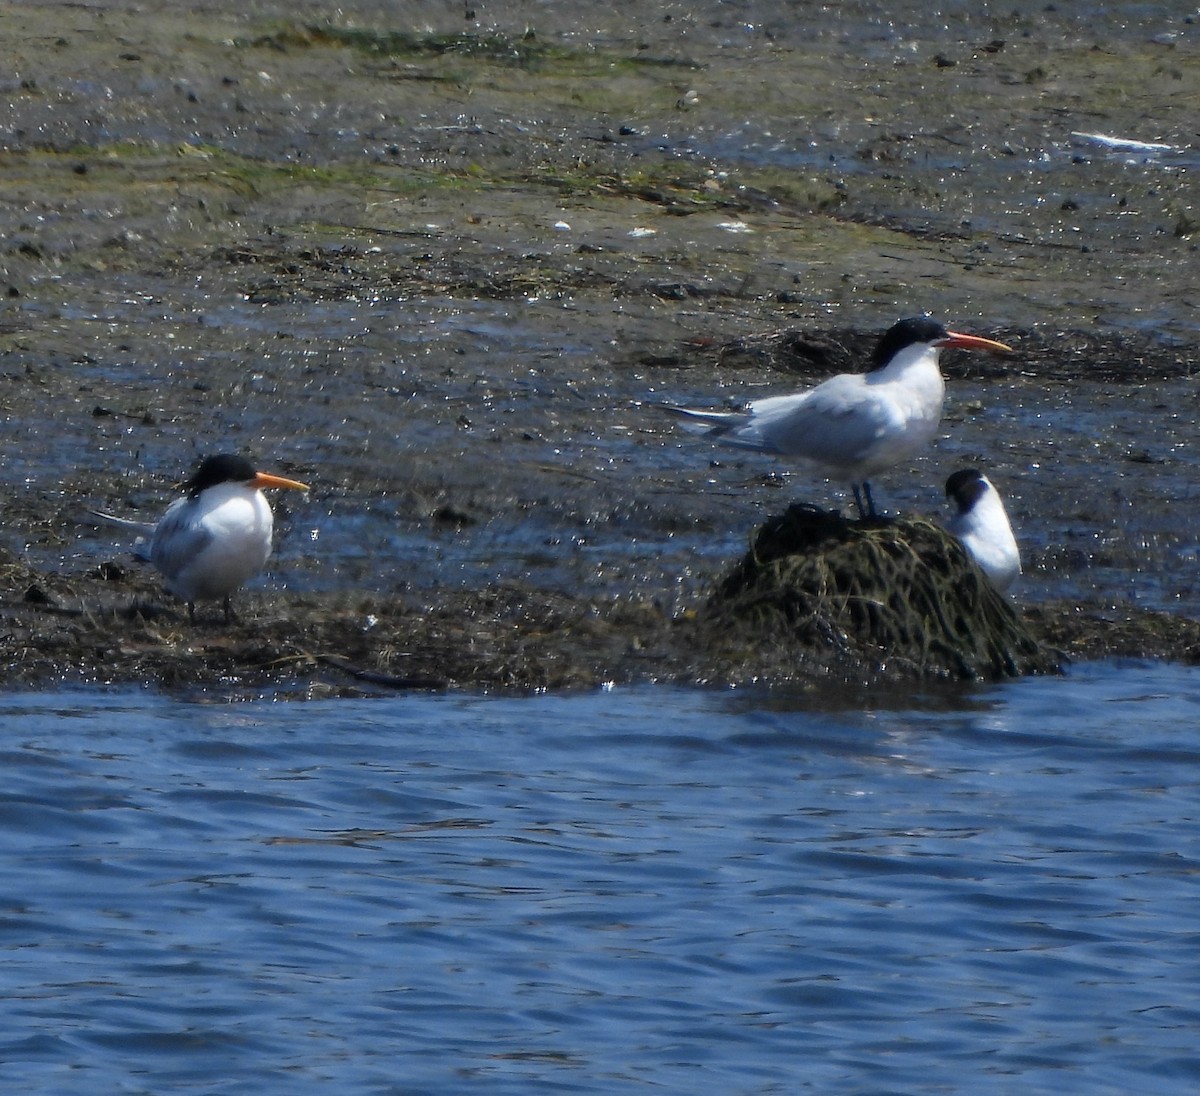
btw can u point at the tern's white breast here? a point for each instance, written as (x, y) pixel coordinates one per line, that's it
(985, 532)
(209, 546)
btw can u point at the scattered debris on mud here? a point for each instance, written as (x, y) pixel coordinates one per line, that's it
(443, 275)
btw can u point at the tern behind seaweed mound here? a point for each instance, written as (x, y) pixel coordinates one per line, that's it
(981, 523)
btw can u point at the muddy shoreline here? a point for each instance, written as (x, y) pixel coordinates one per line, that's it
(443, 269)
(104, 619)
(111, 627)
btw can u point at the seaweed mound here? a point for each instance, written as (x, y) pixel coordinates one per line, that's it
(881, 598)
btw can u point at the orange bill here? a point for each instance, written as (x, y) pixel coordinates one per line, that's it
(972, 342)
(265, 479)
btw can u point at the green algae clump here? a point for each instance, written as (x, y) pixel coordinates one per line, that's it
(820, 593)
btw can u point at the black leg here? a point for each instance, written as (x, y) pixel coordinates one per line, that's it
(858, 500)
(870, 501)
(191, 612)
(228, 611)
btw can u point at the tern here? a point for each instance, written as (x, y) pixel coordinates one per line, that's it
(854, 424)
(215, 538)
(981, 524)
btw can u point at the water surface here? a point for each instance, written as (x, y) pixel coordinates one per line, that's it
(652, 889)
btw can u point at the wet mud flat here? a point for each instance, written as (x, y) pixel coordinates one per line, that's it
(544, 574)
(109, 627)
(443, 269)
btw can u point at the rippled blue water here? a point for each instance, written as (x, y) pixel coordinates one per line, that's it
(649, 890)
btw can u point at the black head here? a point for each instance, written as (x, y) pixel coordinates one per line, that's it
(915, 330)
(223, 468)
(965, 487)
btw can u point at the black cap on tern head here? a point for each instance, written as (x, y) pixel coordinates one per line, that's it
(909, 332)
(223, 468)
(965, 487)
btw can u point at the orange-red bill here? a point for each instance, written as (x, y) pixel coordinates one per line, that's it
(972, 342)
(265, 479)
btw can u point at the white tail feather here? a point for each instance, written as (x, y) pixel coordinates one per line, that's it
(142, 528)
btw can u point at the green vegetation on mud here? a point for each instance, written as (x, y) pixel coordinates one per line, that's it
(526, 50)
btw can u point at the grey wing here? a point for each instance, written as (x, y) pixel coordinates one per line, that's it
(836, 423)
(177, 539)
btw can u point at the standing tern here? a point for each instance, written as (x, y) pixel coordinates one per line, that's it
(218, 536)
(981, 523)
(854, 424)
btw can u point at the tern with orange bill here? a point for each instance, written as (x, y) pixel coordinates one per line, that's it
(215, 538)
(853, 425)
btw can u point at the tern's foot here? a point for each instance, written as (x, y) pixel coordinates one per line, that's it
(867, 511)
